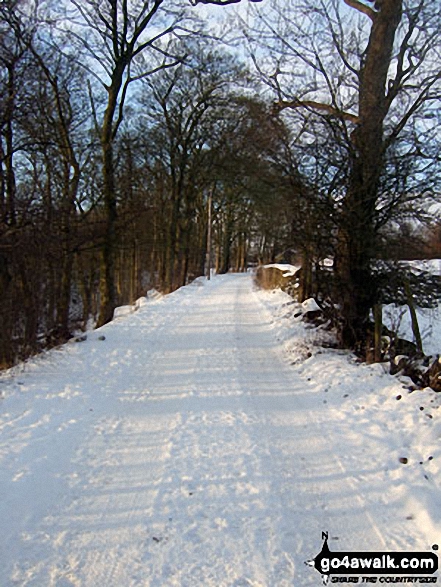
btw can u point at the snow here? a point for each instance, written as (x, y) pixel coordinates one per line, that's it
(398, 318)
(208, 440)
(288, 270)
(154, 294)
(310, 305)
(375, 419)
(435, 210)
(123, 311)
(430, 265)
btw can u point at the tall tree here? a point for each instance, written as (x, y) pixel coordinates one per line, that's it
(369, 69)
(357, 239)
(184, 105)
(12, 54)
(117, 35)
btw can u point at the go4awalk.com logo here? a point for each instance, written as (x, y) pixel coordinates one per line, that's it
(388, 567)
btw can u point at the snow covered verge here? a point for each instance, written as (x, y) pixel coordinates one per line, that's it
(397, 431)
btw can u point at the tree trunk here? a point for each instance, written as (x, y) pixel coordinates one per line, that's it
(226, 243)
(171, 255)
(68, 254)
(413, 316)
(206, 236)
(306, 276)
(378, 331)
(9, 138)
(107, 266)
(63, 306)
(6, 354)
(357, 238)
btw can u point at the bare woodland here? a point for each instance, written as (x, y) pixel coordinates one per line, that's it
(121, 119)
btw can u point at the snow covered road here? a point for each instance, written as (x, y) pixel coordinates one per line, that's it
(182, 450)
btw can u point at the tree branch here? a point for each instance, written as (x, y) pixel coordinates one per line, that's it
(155, 70)
(121, 105)
(421, 98)
(151, 41)
(318, 106)
(218, 2)
(114, 28)
(361, 8)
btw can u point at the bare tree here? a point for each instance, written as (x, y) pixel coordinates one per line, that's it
(184, 105)
(117, 35)
(369, 70)
(12, 54)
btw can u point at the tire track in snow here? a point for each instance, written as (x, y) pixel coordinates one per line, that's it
(312, 492)
(205, 540)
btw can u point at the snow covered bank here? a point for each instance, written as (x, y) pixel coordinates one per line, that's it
(396, 433)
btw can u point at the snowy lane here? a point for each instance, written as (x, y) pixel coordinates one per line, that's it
(180, 451)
